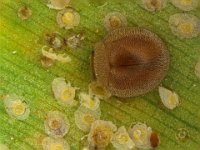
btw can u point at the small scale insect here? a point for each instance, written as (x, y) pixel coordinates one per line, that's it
(74, 41)
(56, 124)
(64, 93)
(184, 25)
(186, 5)
(68, 18)
(154, 139)
(24, 12)
(130, 61)
(182, 134)
(96, 89)
(114, 20)
(169, 99)
(84, 117)
(140, 134)
(154, 5)
(197, 69)
(58, 4)
(16, 107)
(101, 133)
(89, 101)
(49, 143)
(54, 40)
(121, 140)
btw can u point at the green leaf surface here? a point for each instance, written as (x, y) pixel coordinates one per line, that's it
(22, 73)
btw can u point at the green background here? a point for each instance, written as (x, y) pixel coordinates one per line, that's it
(22, 73)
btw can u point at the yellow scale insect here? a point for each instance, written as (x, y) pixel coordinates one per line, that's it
(16, 107)
(68, 18)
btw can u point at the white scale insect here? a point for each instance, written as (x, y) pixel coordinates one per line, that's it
(140, 134)
(49, 143)
(84, 117)
(184, 25)
(89, 101)
(121, 140)
(63, 92)
(169, 99)
(56, 124)
(186, 5)
(16, 107)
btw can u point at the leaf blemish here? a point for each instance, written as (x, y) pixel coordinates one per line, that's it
(24, 12)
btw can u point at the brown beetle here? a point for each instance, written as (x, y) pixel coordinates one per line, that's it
(130, 61)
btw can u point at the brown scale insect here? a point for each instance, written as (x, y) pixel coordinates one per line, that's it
(24, 12)
(54, 40)
(130, 61)
(154, 139)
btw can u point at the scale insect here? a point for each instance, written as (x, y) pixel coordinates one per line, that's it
(184, 25)
(16, 107)
(49, 143)
(121, 140)
(101, 133)
(68, 18)
(153, 5)
(56, 124)
(114, 20)
(140, 133)
(84, 117)
(185, 5)
(64, 92)
(169, 99)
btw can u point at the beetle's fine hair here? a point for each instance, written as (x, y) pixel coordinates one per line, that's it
(130, 61)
